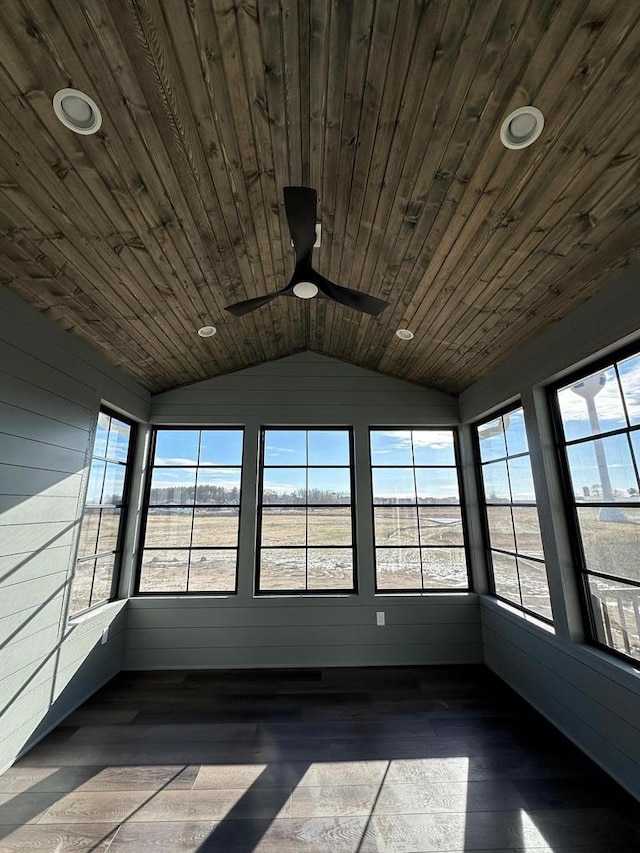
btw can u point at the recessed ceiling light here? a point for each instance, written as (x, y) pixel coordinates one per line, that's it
(207, 331)
(404, 334)
(77, 111)
(305, 289)
(522, 127)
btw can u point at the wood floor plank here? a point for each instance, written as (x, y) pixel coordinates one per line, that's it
(440, 761)
(78, 838)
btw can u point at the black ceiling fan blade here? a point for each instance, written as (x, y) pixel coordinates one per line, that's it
(247, 305)
(346, 296)
(300, 204)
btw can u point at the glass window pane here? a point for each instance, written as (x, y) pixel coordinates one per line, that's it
(102, 434)
(391, 447)
(393, 486)
(441, 526)
(176, 447)
(285, 447)
(215, 528)
(602, 470)
(592, 405)
(118, 446)
(515, 432)
(283, 569)
(284, 486)
(496, 483)
(109, 527)
(437, 485)
(212, 571)
(616, 611)
(221, 447)
(534, 587)
(113, 483)
(96, 481)
(328, 447)
(164, 571)
(635, 447)
(491, 440)
(168, 527)
(329, 526)
(89, 532)
(611, 540)
(329, 486)
(173, 486)
(433, 447)
(629, 371)
(505, 577)
(102, 579)
(521, 480)
(527, 526)
(396, 525)
(218, 486)
(330, 568)
(444, 568)
(284, 526)
(398, 568)
(501, 532)
(81, 586)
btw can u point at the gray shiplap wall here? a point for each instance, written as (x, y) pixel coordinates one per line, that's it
(591, 696)
(243, 631)
(51, 386)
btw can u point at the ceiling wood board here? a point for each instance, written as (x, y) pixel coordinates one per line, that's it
(135, 237)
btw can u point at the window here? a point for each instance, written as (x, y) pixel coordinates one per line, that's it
(193, 512)
(305, 530)
(516, 558)
(99, 550)
(598, 419)
(419, 534)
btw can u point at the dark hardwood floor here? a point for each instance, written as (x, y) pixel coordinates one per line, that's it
(316, 761)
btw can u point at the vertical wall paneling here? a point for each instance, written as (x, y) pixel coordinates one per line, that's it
(51, 387)
(592, 696)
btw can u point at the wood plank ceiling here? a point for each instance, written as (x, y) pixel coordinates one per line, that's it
(136, 236)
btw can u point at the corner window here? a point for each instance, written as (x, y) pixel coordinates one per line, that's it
(419, 533)
(516, 557)
(305, 525)
(598, 418)
(190, 539)
(101, 530)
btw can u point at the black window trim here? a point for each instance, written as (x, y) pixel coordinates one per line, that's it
(124, 513)
(570, 505)
(146, 505)
(271, 593)
(513, 406)
(462, 506)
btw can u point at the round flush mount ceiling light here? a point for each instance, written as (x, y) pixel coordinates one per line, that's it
(404, 334)
(77, 111)
(522, 127)
(305, 289)
(207, 331)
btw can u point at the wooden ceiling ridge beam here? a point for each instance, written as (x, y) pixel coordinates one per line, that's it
(472, 233)
(230, 57)
(502, 239)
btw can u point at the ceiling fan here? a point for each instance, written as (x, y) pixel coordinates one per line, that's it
(300, 206)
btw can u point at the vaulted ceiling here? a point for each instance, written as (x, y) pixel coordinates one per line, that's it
(135, 237)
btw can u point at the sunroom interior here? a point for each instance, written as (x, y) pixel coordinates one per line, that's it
(304, 490)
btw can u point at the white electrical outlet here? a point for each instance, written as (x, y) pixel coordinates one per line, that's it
(105, 635)
(380, 618)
